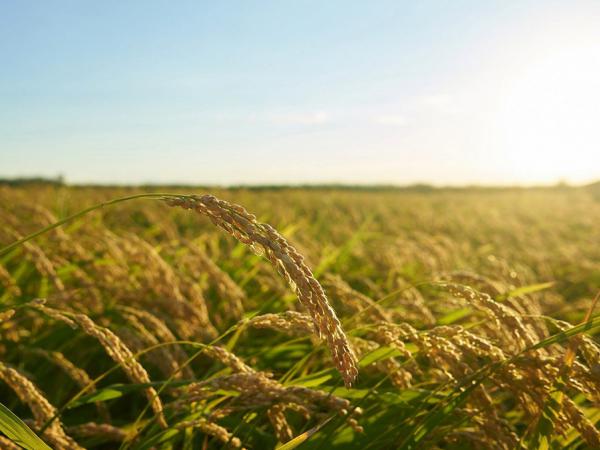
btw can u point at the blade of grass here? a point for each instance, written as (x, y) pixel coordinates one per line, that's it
(16, 430)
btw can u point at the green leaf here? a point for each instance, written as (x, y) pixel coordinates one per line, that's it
(573, 435)
(454, 316)
(438, 415)
(116, 391)
(312, 381)
(377, 355)
(591, 327)
(108, 393)
(529, 289)
(337, 254)
(289, 445)
(18, 432)
(544, 430)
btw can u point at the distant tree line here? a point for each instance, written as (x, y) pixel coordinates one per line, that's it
(417, 187)
(24, 181)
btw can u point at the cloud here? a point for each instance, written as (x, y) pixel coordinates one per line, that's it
(299, 118)
(442, 103)
(277, 117)
(391, 119)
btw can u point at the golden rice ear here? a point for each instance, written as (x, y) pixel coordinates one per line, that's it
(265, 240)
(354, 300)
(7, 444)
(279, 422)
(40, 260)
(43, 411)
(104, 431)
(77, 374)
(257, 388)
(155, 330)
(212, 429)
(165, 282)
(120, 353)
(576, 417)
(6, 315)
(8, 282)
(229, 292)
(116, 349)
(290, 322)
(505, 317)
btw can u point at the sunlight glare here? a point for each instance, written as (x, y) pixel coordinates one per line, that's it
(548, 116)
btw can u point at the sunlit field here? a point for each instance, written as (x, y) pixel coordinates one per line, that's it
(359, 319)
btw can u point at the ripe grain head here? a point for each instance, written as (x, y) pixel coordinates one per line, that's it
(265, 240)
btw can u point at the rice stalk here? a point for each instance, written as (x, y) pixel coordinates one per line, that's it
(264, 239)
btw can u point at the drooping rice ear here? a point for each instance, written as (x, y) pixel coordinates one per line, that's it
(266, 241)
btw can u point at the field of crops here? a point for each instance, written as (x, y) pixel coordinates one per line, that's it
(356, 319)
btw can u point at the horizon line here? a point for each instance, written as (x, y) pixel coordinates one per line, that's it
(419, 185)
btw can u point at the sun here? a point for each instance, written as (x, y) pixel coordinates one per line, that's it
(548, 116)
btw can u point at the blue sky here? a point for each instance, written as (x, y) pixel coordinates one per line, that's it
(489, 92)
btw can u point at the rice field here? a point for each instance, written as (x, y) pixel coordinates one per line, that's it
(304, 318)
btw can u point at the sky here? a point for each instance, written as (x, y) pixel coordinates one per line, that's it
(287, 92)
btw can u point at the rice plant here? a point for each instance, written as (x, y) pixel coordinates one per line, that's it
(349, 319)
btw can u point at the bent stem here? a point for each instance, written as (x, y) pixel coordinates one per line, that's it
(80, 214)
